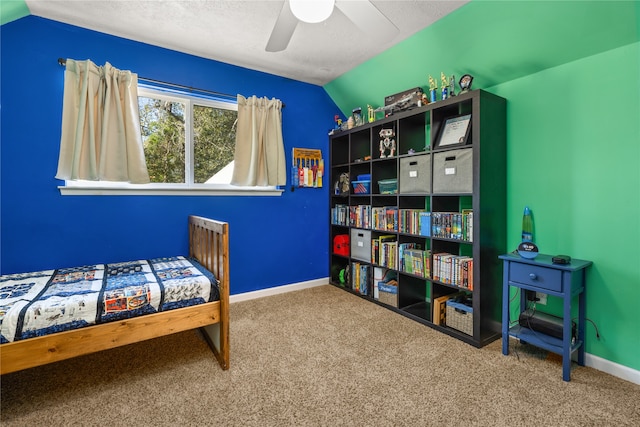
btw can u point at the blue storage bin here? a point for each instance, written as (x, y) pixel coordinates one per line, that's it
(361, 187)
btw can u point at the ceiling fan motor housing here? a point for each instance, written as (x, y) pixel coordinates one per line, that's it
(311, 11)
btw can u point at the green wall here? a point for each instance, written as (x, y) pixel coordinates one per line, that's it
(496, 42)
(573, 127)
(10, 10)
(575, 161)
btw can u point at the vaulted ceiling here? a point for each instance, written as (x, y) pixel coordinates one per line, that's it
(236, 32)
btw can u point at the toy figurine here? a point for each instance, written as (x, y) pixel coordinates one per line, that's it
(452, 85)
(387, 143)
(445, 86)
(433, 87)
(425, 99)
(371, 113)
(357, 116)
(338, 121)
(341, 186)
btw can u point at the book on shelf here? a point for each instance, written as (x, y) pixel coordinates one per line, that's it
(389, 254)
(417, 262)
(377, 245)
(339, 215)
(414, 221)
(454, 270)
(468, 224)
(384, 218)
(440, 308)
(402, 247)
(425, 224)
(360, 216)
(453, 225)
(384, 251)
(360, 278)
(391, 219)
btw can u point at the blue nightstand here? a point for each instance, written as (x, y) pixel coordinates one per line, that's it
(566, 281)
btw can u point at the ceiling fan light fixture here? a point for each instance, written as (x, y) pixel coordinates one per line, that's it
(311, 11)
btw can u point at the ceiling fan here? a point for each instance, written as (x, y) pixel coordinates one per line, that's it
(362, 13)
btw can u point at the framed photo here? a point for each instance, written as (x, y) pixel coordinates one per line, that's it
(455, 131)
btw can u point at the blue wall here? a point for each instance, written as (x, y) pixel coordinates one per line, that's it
(274, 240)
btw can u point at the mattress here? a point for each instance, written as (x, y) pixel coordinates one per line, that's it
(46, 302)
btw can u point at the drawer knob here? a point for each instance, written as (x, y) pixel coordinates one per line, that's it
(533, 276)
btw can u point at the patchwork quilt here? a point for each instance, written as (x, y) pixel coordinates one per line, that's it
(45, 302)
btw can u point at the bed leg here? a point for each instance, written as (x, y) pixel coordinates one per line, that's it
(218, 341)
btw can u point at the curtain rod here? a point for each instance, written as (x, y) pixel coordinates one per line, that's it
(63, 62)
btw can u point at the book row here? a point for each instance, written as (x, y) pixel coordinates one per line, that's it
(415, 221)
(384, 251)
(360, 278)
(445, 225)
(355, 216)
(447, 268)
(384, 218)
(406, 257)
(417, 262)
(454, 270)
(382, 284)
(452, 225)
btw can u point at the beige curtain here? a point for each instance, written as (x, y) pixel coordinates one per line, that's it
(100, 138)
(259, 156)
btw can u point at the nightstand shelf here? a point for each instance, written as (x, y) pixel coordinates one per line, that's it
(540, 340)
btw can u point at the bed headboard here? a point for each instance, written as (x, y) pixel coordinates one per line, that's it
(209, 244)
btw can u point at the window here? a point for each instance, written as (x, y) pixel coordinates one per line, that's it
(189, 145)
(187, 140)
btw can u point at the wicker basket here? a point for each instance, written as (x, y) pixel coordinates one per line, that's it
(460, 317)
(388, 294)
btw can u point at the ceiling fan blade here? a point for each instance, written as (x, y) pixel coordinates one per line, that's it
(283, 30)
(368, 18)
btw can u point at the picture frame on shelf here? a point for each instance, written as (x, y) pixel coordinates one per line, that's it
(455, 131)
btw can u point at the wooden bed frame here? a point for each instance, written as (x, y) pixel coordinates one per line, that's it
(209, 244)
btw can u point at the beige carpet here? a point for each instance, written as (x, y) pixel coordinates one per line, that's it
(318, 357)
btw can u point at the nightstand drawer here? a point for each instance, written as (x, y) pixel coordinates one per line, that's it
(533, 275)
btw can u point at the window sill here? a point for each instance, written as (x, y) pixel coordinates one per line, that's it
(166, 190)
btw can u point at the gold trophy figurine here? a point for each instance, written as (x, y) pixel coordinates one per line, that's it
(433, 87)
(445, 86)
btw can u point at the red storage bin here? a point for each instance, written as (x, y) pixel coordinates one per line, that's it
(341, 244)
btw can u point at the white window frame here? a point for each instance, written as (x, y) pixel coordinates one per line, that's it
(188, 188)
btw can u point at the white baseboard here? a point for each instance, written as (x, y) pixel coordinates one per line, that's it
(590, 360)
(612, 368)
(278, 290)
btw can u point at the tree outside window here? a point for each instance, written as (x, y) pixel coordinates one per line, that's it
(187, 139)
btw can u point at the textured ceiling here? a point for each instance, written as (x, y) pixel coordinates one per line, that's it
(236, 32)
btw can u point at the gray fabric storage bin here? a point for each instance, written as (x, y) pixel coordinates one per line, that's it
(415, 174)
(453, 171)
(361, 244)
